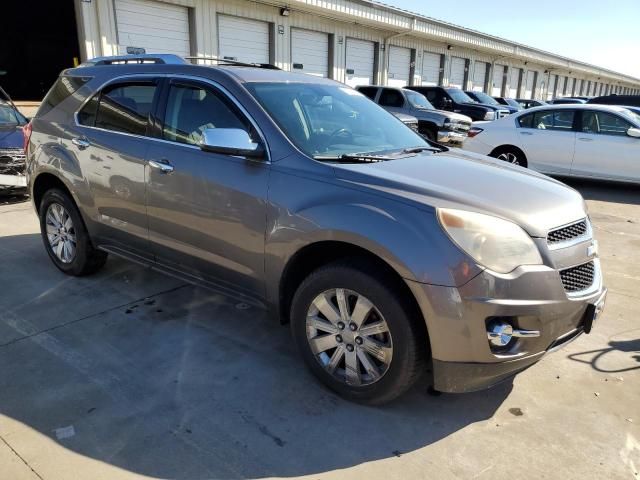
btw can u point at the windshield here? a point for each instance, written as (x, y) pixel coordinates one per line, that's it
(634, 115)
(331, 121)
(9, 117)
(486, 99)
(459, 96)
(513, 103)
(418, 100)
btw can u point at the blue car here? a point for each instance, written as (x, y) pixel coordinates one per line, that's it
(12, 159)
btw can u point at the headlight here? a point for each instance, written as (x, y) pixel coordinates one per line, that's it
(497, 244)
(490, 116)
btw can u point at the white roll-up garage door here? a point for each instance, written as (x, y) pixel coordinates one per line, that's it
(360, 62)
(456, 73)
(157, 27)
(528, 92)
(431, 68)
(498, 74)
(479, 76)
(514, 79)
(243, 39)
(551, 87)
(310, 52)
(399, 66)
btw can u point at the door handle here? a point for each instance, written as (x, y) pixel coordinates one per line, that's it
(526, 133)
(163, 165)
(584, 139)
(81, 142)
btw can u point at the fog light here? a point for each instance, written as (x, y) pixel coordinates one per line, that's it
(499, 333)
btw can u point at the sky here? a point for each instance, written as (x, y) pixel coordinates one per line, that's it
(603, 33)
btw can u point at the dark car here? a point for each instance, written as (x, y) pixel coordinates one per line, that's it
(624, 100)
(509, 102)
(567, 101)
(296, 194)
(12, 159)
(530, 103)
(437, 125)
(485, 99)
(455, 100)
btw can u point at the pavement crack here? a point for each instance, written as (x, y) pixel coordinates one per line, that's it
(86, 317)
(21, 458)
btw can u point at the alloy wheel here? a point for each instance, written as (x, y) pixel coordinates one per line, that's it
(61, 233)
(509, 157)
(349, 337)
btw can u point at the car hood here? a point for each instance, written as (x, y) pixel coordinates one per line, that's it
(11, 137)
(493, 107)
(454, 116)
(472, 182)
(404, 118)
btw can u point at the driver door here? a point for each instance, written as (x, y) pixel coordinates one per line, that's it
(207, 211)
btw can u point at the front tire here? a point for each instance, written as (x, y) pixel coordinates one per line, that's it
(355, 334)
(65, 236)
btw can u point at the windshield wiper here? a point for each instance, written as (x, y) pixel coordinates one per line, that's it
(350, 157)
(421, 149)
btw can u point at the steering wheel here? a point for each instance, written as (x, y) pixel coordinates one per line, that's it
(345, 132)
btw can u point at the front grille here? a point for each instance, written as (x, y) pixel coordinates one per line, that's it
(568, 233)
(503, 113)
(576, 279)
(12, 161)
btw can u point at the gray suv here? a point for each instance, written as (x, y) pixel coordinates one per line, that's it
(389, 258)
(437, 125)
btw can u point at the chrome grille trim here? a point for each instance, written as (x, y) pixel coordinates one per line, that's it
(570, 234)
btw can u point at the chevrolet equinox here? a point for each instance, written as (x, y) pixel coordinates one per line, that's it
(389, 256)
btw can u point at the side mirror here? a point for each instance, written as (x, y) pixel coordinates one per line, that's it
(634, 132)
(230, 141)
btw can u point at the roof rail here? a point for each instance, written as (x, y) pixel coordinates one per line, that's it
(148, 58)
(232, 62)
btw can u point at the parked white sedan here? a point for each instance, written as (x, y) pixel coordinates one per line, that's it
(591, 141)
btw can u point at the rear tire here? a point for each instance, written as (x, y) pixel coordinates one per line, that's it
(355, 333)
(512, 155)
(65, 236)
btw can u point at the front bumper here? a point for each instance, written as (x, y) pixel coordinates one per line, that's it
(450, 137)
(532, 297)
(13, 181)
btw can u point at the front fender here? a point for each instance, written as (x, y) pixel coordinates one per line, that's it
(408, 239)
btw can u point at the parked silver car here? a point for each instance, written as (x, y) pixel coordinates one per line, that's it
(300, 195)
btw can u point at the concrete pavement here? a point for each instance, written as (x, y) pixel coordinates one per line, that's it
(131, 374)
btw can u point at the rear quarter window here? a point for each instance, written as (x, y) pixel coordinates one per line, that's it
(64, 87)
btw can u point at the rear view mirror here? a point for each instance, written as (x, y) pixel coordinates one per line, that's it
(634, 132)
(230, 141)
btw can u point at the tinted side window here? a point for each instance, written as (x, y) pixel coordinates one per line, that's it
(526, 121)
(191, 110)
(125, 107)
(391, 98)
(431, 95)
(63, 88)
(87, 116)
(559, 120)
(604, 123)
(369, 92)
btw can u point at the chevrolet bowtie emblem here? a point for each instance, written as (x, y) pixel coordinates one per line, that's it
(592, 250)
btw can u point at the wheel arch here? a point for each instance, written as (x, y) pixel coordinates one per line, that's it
(46, 181)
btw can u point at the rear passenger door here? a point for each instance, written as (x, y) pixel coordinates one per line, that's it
(207, 217)
(548, 140)
(110, 140)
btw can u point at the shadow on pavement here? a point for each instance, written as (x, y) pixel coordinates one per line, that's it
(189, 384)
(596, 357)
(606, 191)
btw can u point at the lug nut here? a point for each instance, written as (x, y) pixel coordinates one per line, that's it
(353, 327)
(341, 325)
(358, 340)
(339, 338)
(350, 347)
